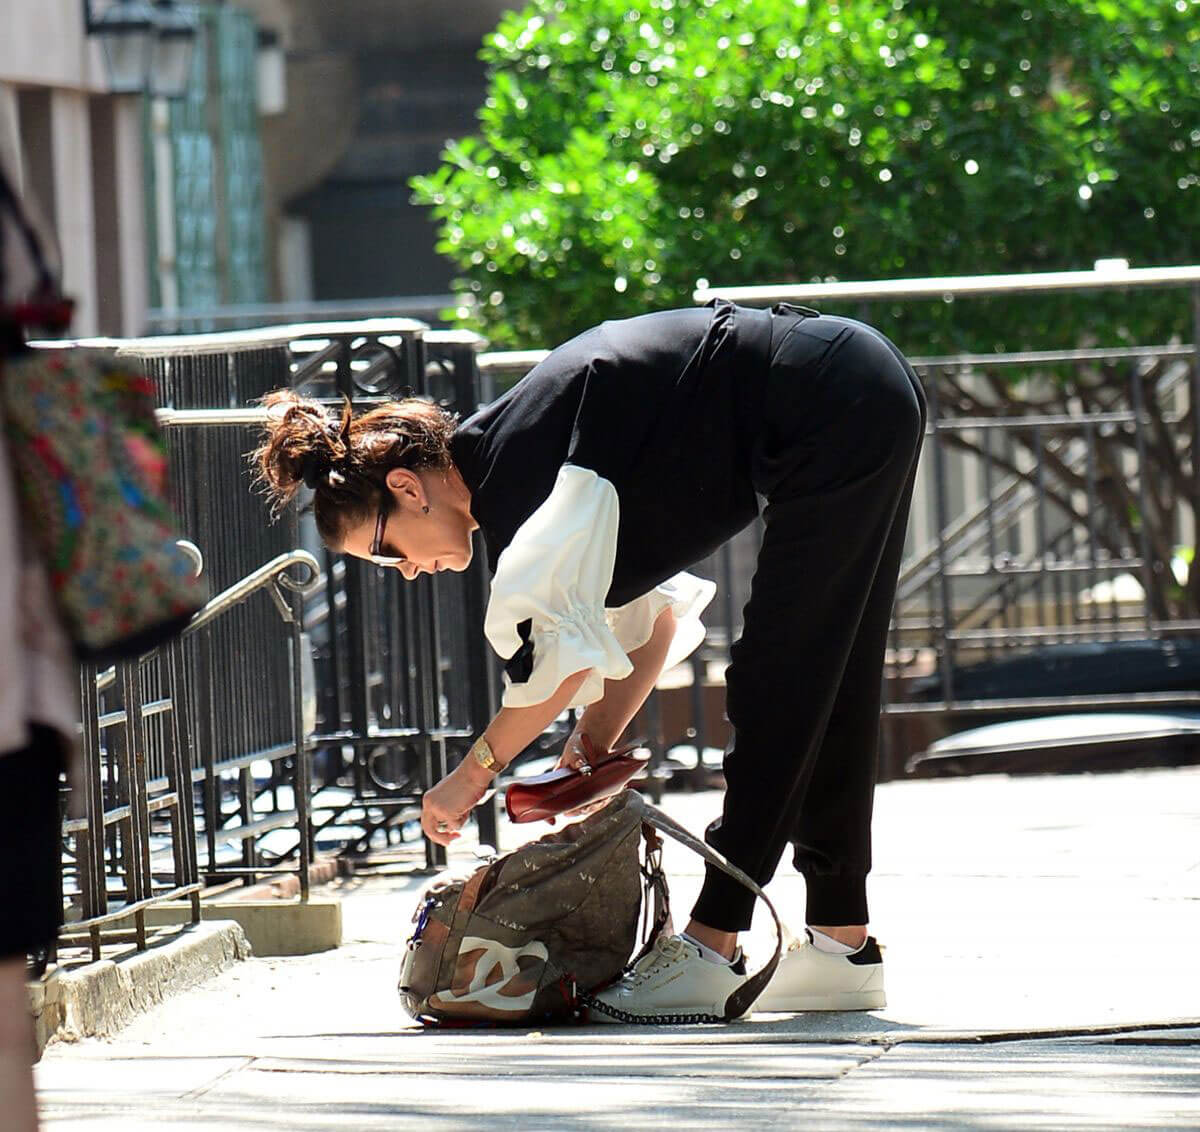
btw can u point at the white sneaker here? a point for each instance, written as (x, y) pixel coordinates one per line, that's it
(810, 979)
(671, 981)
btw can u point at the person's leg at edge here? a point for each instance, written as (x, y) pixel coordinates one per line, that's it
(29, 908)
(826, 538)
(16, 1048)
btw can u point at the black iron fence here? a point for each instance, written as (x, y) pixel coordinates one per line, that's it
(1058, 578)
(1050, 553)
(398, 679)
(179, 790)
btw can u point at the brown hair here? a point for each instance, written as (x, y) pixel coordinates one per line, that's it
(345, 459)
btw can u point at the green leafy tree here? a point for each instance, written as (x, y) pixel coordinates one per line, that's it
(629, 148)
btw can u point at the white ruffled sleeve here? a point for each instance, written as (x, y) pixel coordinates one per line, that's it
(685, 595)
(546, 615)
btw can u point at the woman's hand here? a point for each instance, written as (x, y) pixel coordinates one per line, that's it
(575, 752)
(450, 802)
(446, 806)
(575, 757)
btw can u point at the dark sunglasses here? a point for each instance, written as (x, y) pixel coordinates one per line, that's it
(374, 554)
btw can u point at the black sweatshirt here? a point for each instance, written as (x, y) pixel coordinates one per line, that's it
(664, 409)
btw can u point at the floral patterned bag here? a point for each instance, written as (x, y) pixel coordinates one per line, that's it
(92, 476)
(90, 465)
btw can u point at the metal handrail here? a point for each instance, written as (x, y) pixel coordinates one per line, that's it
(236, 341)
(222, 418)
(274, 571)
(510, 363)
(1032, 704)
(1057, 357)
(1100, 277)
(406, 306)
(413, 619)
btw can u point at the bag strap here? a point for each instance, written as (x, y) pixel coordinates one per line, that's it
(656, 897)
(743, 998)
(8, 199)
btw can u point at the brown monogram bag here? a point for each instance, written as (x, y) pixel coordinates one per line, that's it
(529, 936)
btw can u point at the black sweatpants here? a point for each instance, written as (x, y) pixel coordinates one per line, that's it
(845, 416)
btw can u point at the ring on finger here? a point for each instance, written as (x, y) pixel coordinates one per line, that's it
(442, 827)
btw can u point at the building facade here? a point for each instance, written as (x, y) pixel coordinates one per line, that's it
(153, 203)
(374, 90)
(206, 235)
(80, 156)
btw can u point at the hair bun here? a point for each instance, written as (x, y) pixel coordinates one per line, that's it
(301, 446)
(313, 467)
(344, 459)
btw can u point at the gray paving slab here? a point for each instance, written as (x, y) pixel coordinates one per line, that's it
(1027, 1085)
(1021, 1085)
(1038, 935)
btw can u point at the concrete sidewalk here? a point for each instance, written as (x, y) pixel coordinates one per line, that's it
(1041, 936)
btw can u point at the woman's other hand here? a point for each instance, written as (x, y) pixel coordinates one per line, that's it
(446, 806)
(578, 753)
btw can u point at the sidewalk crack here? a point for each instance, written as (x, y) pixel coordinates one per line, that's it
(874, 1054)
(197, 1093)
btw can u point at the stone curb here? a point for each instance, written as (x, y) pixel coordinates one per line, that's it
(287, 885)
(275, 926)
(98, 999)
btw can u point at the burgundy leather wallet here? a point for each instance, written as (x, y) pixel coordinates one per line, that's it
(545, 796)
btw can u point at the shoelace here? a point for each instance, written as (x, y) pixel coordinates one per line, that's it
(666, 950)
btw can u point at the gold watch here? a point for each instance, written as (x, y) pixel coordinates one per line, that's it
(481, 751)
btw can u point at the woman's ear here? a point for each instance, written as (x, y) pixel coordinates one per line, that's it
(407, 486)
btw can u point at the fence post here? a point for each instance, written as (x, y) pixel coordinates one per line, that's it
(1139, 409)
(137, 841)
(482, 693)
(180, 765)
(206, 735)
(1195, 407)
(699, 726)
(91, 854)
(943, 637)
(302, 770)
